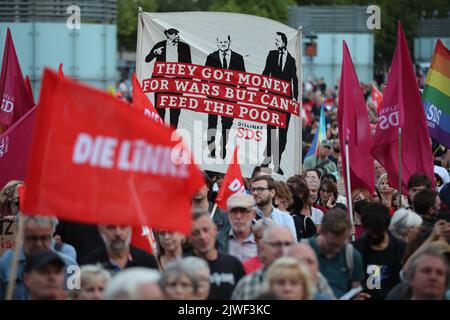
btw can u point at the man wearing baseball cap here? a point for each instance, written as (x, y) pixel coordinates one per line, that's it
(321, 160)
(237, 240)
(44, 276)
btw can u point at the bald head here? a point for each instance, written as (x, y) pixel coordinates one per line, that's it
(306, 255)
(276, 239)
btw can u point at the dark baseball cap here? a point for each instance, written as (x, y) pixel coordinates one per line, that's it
(41, 259)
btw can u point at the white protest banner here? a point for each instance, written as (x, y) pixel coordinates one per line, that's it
(225, 79)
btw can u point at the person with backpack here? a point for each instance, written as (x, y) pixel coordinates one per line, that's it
(339, 262)
(382, 253)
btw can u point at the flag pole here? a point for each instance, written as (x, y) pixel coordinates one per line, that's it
(152, 242)
(349, 188)
(400, 164)
(213, 211)
(15, 259)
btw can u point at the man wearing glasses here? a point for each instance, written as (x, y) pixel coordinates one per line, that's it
(37, 237)
(276, 240)
(238, 240)
(263, 192)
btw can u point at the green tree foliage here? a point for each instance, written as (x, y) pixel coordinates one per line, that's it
(272, 9)
(127, 14)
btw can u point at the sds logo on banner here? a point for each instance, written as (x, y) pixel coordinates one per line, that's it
(7, 104)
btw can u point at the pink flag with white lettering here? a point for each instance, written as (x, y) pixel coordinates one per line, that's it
(16, 100)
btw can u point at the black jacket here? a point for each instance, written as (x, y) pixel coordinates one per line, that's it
(184, 52)
(289, 72)
(236, 61)
(140, 258)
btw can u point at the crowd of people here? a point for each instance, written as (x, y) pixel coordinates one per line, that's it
(288, 240)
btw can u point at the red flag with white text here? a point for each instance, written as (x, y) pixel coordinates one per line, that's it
(141, 101)
(402, 108)
(94, 159)
(16, 101)
(232, 182)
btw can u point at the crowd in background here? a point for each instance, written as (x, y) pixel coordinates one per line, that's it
(278, 240)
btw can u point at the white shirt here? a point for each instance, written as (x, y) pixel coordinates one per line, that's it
(227, 57)
(285, 53)
(171, 52)
(316, 215)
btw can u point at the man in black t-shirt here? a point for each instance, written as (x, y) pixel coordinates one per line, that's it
(381, 252)
(225, 270)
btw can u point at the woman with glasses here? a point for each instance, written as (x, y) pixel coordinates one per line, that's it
(327, 194)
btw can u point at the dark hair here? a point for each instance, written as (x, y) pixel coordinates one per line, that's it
(171, 31)
(335, 221)
(375, 217)
(256, 170)
(319, 174)
(283, 37)
(424, 200)
(269, 179)
(329, 176)
(417, 180)
(299, 184)
(331, 185)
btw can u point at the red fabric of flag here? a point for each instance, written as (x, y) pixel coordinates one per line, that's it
(402, 108)
(94, 159)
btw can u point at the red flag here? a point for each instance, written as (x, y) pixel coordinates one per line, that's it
(28, 86)
(377, 97)
(140, 238)
(354, 128)
(60, 71)
(16, 101)
(402, 108)
(14, 148)
(141, 101)
(94, 159)
(232, 182)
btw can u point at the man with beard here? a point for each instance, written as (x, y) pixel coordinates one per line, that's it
(263, 192)
(381, 252)
(335, 152)
(117, 254)
(238, 239)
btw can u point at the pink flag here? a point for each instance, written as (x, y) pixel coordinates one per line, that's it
(354, 128)
(28, 86)
(16, 101)
(14, 148)
(402, 108)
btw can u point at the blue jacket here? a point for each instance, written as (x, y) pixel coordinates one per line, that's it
(20, 291)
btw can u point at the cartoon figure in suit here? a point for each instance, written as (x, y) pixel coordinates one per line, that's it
(223, 58)
(170, 50)
(280, 64)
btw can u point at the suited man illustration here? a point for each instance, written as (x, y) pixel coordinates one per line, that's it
(170, 50)
(279, 64)
(224, 58)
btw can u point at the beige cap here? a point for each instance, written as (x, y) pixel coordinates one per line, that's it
(240, 200)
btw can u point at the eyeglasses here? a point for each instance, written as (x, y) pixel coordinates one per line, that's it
(279, 244)
(326, 191)
(35, 239)
(243, 211)
(258, 190)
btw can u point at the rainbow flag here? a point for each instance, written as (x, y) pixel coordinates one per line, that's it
(436, 95)
(320, 135)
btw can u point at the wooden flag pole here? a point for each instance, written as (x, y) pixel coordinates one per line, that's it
(400, 165)
(15, 259)
(349, 189)
(152, 242)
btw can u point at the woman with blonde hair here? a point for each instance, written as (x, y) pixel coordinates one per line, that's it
(170, 247)
(288, 279)
(93, 280)
(387, 194)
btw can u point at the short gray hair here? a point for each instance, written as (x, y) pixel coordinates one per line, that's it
(177, 268)
(402, 220)
(195, 263)
(270, 229)
(429, 252)
(42, 221)
(125, 285)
